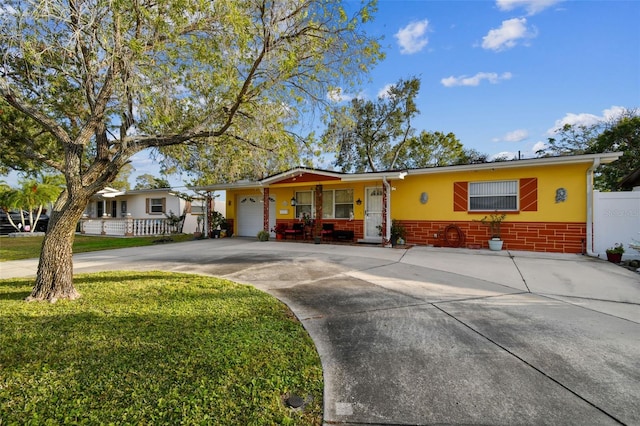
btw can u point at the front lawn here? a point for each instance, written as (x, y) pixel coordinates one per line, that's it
(154, 348)
(29, 247)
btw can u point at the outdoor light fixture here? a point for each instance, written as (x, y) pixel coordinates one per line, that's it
(293, 201)
(359, 201)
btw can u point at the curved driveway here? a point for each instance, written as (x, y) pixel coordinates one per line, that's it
(438, 336)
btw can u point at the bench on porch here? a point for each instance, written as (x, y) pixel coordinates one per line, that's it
(297, 229)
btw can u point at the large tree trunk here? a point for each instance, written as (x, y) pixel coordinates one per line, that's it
(55, 270)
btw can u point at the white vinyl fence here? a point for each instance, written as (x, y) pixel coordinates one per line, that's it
(616, 220)
(129, 227)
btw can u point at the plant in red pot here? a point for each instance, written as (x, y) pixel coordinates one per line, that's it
(614, 254)
(279, 230)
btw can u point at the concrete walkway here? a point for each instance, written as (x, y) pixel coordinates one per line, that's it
(437, 336)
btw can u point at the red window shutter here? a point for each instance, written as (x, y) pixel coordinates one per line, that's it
(460, 196)
(529, 195)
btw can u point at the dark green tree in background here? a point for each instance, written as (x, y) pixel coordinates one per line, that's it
(374, 135)
(620, 134)
(624, 136)
(147, 181)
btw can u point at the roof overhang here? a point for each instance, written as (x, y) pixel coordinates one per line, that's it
(302, 175)
(587, 159)
(227, 186)
(306, 175)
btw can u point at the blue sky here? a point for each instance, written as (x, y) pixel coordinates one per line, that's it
(501, 75)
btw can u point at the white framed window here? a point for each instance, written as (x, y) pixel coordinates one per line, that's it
(197, 209)
(156, 205)
(493, 195)
(337, 204)
(304, 203)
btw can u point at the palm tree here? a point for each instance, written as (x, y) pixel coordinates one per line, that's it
(32, 196)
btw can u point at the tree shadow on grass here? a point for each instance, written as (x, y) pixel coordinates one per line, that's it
(15, 289)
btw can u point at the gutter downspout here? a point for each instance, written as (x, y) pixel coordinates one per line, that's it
(589, 242)
(387, 235)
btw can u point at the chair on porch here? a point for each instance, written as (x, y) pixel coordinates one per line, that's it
(297, 229)
(327, 231)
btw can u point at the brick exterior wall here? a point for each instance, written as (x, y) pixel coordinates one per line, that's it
(528, 236)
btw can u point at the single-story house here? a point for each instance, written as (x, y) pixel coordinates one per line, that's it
(140, 212)
(547, 202)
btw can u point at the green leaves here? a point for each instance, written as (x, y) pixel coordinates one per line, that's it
(622, 133)
(370, 134)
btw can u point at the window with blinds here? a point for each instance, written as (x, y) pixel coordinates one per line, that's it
(304, 203)
(495, 195)
(337, 204)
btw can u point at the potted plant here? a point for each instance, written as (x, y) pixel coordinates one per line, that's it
(279, 230)
(494, 222)
(398, 232)
(198, 233)
(218, 223)
(263, 235)
(614, 254)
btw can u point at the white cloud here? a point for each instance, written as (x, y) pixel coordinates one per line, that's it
(613, 113)
(515, 136)
(475, 80)
(384, 92)
(586, 119)
(539, 146)
(532, 6)
(504, 155)
(337, 95)
(507, 35)
(412, 38)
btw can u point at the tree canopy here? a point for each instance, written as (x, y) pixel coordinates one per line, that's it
(97, 82)
(147, 181)
(373, 135)
(622, 133)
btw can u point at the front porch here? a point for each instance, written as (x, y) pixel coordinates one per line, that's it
(129, 227)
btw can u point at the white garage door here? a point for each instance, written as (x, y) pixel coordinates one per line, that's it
(250, 210)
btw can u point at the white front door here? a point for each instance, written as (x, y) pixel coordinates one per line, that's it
(373, 213)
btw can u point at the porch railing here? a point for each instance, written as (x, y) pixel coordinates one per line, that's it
(129, 227)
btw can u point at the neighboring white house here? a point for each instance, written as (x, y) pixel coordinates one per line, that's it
(140, 212)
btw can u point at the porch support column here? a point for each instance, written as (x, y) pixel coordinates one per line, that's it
(318, 200)
(386, 213)
(265, 209)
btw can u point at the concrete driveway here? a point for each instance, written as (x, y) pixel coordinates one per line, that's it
(438, 336)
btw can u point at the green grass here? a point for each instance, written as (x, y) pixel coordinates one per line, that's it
(29, 247)
(154, 348)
